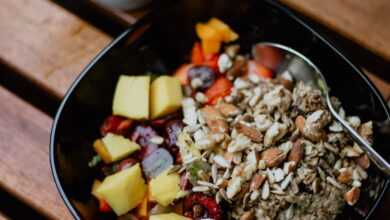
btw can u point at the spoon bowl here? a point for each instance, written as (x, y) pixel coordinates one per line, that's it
(282, 59)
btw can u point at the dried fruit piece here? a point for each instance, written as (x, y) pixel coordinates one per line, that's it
(273, 156)
(221, 88)
(363, 161)
(252, 133)
(352, 196)
(115, 124)
(142, 135)
(203, 73)
(211, 208)
(345, 175)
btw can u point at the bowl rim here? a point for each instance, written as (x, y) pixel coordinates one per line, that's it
(289, 13)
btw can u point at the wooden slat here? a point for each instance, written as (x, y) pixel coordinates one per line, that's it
(24, 161)
(365, 22)
(46, 43)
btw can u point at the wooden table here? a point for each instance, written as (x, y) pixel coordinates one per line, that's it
(43, 47)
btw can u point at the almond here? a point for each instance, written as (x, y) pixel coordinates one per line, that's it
(214, 120)
(296, 153)
(352, 196)
(257, 181)
(228, 109)
(248, 215)
(300, 123)
(345, 175)
(273, 156)
(252, 133)
(363, 161)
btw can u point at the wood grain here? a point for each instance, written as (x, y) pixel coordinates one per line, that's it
(365, 22)
(24, 161)
(46, 43)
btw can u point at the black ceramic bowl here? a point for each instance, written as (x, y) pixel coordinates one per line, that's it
(159, 43)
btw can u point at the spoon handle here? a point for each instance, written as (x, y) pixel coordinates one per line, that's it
(379, 161)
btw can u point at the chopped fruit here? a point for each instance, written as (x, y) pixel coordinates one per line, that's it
(124, 190)
(158, 161)
(260, 70)
(104, 206)
(168, 216)
(142, 209)
(204, 74)
(118, 147)
(213, 210)
(165, 188)
(211, 46)
(142, 134)
(221, 88)
(115, 124)
(131, 98)
(95, 186)
(197, 56)
(223, 29)
(182, 73)
(102, 151)
(211, 38)
(206, 32)
(212, 62)
(268, 56)
(166, 96)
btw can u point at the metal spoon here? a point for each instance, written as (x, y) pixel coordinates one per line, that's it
(302, 69)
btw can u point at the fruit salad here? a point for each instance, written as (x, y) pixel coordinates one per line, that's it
(225, 136)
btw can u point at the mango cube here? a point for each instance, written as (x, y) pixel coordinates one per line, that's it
(101, 150)
(166, 96)
(124, 190)
(96, 184)
(168, 216)
(165, 188)
(131, 98)
(118, 147)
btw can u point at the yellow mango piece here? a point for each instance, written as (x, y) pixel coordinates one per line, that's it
(166, 96)
(101, 150)
(131, 98)
(119, 147)
(124, 190)
(165, 188)
(205, 31)
(95, 186)
(168, 216)
(227, 34)
(142, 209)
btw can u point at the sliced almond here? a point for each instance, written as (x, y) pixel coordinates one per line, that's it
(273, 156)
(363, 161)
(352, 196)
(214, 120)
(248, 215)
(228, 109)
(252, 133)
(345, 175)
(296, 152)
(300, 123)
(257, 181)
